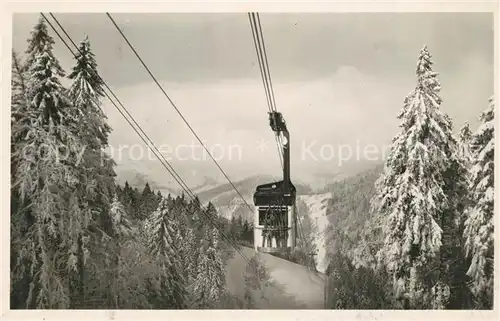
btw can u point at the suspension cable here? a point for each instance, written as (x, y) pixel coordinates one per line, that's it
(266, 77)
(176, 109)
(172, 171)
(167, 166)
(265, 61)
(260, 49)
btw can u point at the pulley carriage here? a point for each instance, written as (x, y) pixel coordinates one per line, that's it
(275, 217)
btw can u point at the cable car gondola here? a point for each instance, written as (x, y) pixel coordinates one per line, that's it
(274, 227)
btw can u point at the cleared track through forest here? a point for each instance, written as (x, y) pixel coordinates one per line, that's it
(300, 288)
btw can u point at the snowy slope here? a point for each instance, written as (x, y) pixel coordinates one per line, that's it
(316, 209)
(207, 184)
(294, 286)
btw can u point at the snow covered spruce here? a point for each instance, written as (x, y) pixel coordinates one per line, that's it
(423, 199)
(479, 232)
(79, 239)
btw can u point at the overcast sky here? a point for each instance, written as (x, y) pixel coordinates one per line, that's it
(339, 78)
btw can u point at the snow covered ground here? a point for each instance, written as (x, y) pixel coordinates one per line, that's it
(295, 286)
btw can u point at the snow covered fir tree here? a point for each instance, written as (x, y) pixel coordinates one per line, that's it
(49, 218)
(479, 225)
(415, 231)
(79, 239)
(412, 193)
(429, 232)
(422, 197)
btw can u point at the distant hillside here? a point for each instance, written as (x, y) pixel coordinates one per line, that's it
(315, 208)
(207, 184)
(225, 193)
(349, 208)
(139, 180)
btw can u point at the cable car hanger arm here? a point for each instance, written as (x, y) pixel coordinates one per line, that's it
(278, 125)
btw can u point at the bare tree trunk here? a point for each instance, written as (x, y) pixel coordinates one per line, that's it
(412, 291)
(81, 273)
(115, 281)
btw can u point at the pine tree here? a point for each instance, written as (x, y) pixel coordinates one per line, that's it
(208, 217)
(45, 177)
(149, 202)
(162, 245)
(121, 232)
(170, 201)
(147, 190)
(38, 43)
(119, 192)
(135, 204)
(479, 231)
(453, 286)
(130, 200)
(182, 219)
(211, 211)
(369, 244)
(122, 227)
(189, 252)
(239, 228)
(247, 234)
(19, 106)
(158, 198)
(412, 192)
(86, 93)
(97, 189)
(235, 229)
(199, 217)
(125, 196)
(209, 284)
(18, 80)
(465, 137)
(19, 101)
(21, 220)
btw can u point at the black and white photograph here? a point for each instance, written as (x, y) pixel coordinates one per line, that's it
(250, 160)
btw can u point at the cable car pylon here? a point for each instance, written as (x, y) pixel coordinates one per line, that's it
(275, 217)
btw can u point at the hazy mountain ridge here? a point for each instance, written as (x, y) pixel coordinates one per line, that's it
(139, 180)
(208, 183)
(339, 207)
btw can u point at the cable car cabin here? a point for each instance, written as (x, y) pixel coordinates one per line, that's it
(274, 227)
